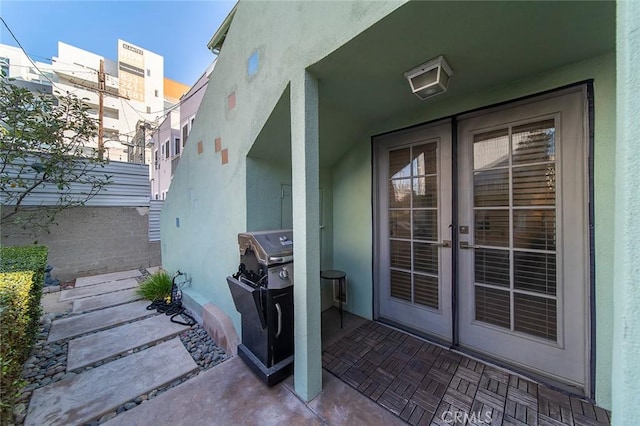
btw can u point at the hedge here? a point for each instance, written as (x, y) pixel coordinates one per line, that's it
(22, 272)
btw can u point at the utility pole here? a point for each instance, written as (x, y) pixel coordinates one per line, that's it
(101, 89)
(144, 142)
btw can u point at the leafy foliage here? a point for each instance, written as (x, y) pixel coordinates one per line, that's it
(21, 279)
(45, 145)
(32, 259)
(155, 287)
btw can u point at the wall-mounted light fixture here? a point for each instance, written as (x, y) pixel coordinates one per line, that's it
(430, 78)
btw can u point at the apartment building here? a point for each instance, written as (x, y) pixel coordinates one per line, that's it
(15, 64)
(170, 137)
(134, 100)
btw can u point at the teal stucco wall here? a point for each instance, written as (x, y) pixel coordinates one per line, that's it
(269, 206)
(352, 192)
(207, 204)
(626, 336)
(211, 199)
(208, 198)
(352, 221)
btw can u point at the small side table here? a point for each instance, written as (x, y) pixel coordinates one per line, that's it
(341, 278)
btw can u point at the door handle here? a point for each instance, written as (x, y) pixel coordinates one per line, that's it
(279, 320)
(465, 245)
(444, 243)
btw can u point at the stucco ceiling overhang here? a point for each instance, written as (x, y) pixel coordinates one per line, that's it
(488, 44)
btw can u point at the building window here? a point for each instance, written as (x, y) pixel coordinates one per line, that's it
(148, 110)
(156, 195)
(156, 92)
(111, 113)
(176, 146)
(148, 72)
(185, 133)
(4, 66)
(155, 157)
(166, 149)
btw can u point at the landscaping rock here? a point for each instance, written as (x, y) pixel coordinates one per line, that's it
(48, 364)
(107, 417)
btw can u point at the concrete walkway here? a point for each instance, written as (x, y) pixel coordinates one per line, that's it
(114, 358)
(97, 320)
(228, 393)
(115, 326)
(98, 391)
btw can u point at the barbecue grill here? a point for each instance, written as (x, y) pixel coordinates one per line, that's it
(262, 291)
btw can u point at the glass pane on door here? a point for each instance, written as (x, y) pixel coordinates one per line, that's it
(413, 224)
(515, 215)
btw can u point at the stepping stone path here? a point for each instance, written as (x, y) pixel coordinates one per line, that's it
(113, 358)
(98, 289)
(78, 400)
(95, 347)
(97, 320)
(105, 278)
(105, 300)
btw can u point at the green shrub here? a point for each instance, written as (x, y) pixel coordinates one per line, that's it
(33, 259)
(21, 279)
(156, 286)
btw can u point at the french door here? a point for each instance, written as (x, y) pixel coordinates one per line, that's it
(522, 231)
(415, 214)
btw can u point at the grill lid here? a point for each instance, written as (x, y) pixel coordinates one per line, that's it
(270, 247)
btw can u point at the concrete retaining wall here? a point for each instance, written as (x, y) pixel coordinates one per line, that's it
(93, 240)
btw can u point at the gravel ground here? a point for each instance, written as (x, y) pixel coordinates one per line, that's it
(48, 364)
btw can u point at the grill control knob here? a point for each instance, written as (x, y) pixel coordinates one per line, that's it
(283, 274)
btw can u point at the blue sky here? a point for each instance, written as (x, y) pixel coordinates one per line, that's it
(177, 30)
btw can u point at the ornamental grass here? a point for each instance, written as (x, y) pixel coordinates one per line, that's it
(156, 286)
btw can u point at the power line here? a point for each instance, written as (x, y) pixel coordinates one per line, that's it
(138, 112)
(165, 111)
(24, 51)
(53, 70)
(124, 115)
(53, 85)
(57, 60)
